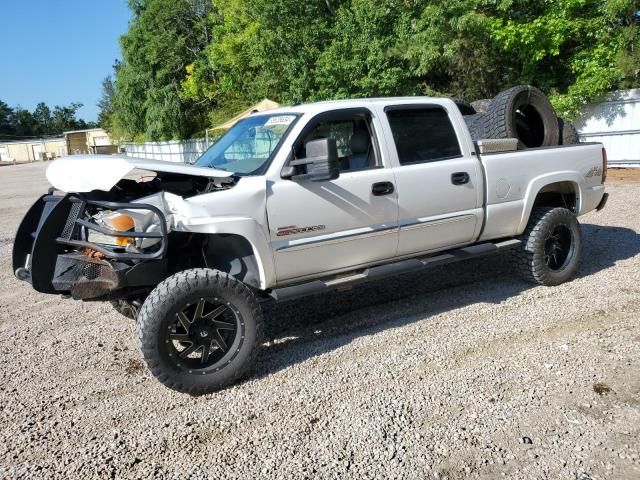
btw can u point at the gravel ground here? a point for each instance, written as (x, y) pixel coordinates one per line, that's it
(459, 373)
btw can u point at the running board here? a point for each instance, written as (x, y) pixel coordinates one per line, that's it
(391, 269)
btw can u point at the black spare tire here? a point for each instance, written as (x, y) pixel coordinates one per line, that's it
(475, 123)
(481, 105)
(568, 133)
(525, 113)
(465, 107)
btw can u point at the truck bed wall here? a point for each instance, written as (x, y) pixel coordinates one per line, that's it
(514, 179)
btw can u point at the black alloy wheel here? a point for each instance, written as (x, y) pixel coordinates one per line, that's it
(205, 335)
(551, 247)
(199, 331)
(558, 248)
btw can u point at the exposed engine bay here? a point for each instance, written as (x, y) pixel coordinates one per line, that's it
(101, 243)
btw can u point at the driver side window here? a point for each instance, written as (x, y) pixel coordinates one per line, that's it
(353, 134)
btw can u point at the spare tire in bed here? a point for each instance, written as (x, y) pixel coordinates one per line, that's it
(568, 133)
(525, 113)
(464, 106)
(476, 125)
(481, 105)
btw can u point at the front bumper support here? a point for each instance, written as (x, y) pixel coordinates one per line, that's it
(74, 222)
(48, 251)
(88, 278)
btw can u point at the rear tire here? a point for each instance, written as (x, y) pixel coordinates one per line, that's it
(199, 331)
(551, 247)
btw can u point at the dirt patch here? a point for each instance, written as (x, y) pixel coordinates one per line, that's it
(623, 175)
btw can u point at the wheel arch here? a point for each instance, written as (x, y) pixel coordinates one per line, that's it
(238, 247)
(556, 190)
(233, 254)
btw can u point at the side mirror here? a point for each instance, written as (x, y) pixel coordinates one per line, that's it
(322, 162)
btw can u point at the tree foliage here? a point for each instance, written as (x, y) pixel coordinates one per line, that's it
(188, 64)
(18, 122)
(164, 37)
(105, 104)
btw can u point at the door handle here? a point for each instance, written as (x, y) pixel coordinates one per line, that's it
(382, 188)
(460, 178)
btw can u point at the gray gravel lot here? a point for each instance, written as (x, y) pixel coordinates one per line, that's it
(463, 372)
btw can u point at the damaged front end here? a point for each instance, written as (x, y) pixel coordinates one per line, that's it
(73, 245)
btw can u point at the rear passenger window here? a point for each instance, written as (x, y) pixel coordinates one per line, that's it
(423, 135)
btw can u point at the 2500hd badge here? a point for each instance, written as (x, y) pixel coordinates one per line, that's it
(293, 230)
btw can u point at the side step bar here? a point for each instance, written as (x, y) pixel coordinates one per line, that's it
(391, 269)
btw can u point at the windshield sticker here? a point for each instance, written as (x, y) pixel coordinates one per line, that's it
(280, 120)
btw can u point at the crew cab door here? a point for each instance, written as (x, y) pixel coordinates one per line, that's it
(329, 226)
(437, 176)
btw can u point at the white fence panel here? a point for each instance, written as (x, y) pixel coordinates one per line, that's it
(615, 123)
(186, 151)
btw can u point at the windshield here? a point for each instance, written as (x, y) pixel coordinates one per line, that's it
(248, 146)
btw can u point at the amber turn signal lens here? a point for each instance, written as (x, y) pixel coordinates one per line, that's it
(124, 241)
(121, 223)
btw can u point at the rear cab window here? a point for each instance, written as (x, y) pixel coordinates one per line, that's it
(423, 134)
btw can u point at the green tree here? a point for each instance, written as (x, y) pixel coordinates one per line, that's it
(6, 113)
(260, 49)
(575, 50)
(105, 104)
(19, 122)
(362, 58)
(43, 121)
(164, 37)
(292, 51)
(22, 122)
(64, 119)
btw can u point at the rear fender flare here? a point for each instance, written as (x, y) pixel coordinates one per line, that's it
(538, 183)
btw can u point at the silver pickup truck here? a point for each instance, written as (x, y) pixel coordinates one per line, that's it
(294, 202)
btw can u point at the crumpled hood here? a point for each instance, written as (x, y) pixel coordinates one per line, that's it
(85, 173)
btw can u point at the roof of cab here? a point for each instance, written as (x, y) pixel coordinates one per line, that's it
(327, 105)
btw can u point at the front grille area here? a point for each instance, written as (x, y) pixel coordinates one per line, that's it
(85, 278)
(69, 227)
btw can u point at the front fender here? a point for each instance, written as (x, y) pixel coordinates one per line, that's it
(249, 229)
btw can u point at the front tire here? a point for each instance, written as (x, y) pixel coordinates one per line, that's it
(199, 331)
(551, 247)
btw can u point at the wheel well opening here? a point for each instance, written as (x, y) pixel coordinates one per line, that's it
(229, 253)
(560, 194)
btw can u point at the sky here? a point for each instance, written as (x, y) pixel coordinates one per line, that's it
(58, 51)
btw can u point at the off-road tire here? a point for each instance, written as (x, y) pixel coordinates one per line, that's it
(525, 113)
(164, 305)
(475, 123)
(465, 107)
(125, 308)
(530, 258)
(568, 133)
(480, 106)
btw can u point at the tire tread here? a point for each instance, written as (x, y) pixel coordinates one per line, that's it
(526, 259)
(168, 292)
